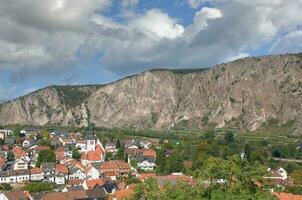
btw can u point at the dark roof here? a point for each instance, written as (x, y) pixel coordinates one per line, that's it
(48, 167)
(75, 188)
(96, 193)
(109, 187)
(140, 158)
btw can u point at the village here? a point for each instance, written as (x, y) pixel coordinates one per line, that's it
(89, 176)
(80, 166)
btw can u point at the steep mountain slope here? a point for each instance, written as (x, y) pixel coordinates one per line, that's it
(246, 92)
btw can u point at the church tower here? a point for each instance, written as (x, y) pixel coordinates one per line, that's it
(90, 141)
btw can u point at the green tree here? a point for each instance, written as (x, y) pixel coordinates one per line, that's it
(76, 154)
(174, 164)
(45, 156)
(160, 161)
(16, 131)
(10, 156)
(229, 136)
(118, 144)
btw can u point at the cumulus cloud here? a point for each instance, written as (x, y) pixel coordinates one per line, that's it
(55, 35)
(291, 42)
(155, 23)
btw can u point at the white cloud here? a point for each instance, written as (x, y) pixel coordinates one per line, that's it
(291, 42)
(54, 35)
(157, 23)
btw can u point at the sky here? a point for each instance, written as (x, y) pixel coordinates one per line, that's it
(70, 42)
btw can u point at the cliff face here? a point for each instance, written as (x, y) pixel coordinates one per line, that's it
(247, 92)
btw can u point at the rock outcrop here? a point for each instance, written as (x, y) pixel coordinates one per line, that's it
(246, 92)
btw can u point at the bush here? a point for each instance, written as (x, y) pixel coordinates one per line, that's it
(5, 186)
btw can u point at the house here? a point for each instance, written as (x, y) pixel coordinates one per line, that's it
(145, 176)
(15, 195)
(2, 163)
(14, 176)
(287, 196)
(62, 169)
(277, 177)
(10, 141)
(48, 170)
(96, 193)
(67, 141)
(92, 172)
(61, 174)
(146, 160)
(21, 163)
(21, 158)
(80, 194)
(77, 173)
(91, 183)
(119, 167)
(73, 188)
(122, 194)
(111, 174)
(3, 134)
(81, 145)
(95, 152)
(110, 187)
(28, 142)
(36, 174)
(111, 147)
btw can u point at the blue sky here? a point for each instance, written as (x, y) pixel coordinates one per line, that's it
(98, 41)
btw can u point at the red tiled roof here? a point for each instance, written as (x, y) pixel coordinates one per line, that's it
(93, 182)
(115, 165)
(287, 196)
(74, 182)
(61, 168)
(18, 194)
(149, 153)
(35, 170)
(2, 161)
(110, 173)
(94, 155)
(39, 148)
(122, 194)
(145, 176)
(79, 194)
(18, 152)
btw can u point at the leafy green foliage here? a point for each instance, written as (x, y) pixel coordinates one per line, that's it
(76, 154)
(5, 186)
(10, 156)
(46, 156)
(35, 187)
(73, 95)
(229, 136)
(239, 177)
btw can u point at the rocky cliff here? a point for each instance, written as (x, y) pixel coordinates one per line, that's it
(246, 92)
